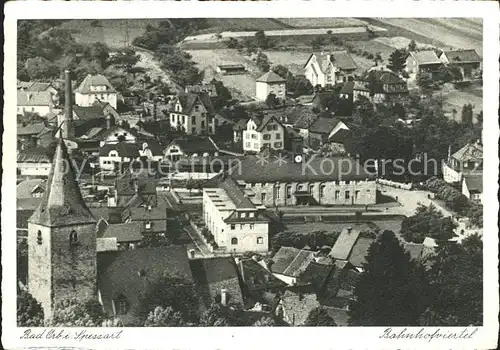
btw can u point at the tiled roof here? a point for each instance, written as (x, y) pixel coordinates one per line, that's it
(323, 125)
(119, 272)
(425, 57)
(22, 217)
(124, 232)
(34, 98)
(25, 188)
(342, 248)
(231, 66)
(34, 155)
(298, 306)
(187, 101)
(271, 77)
(470, 152)
(90, 112)
(347, 88)
(195, 144)
(291, 261)
(316, 274)
(62, 202)
(195, 89)
(34, 129)
(252, 170)
(265, 121)
(28, 203)
(256, 277)
(235, 193)
(207, 103)
(341, 136)
(214, 274)
(39, 86)
(124, 149)
(340, 59)
(126, 186)
(462, 56)
(94, 80)
(360, 251)
(474, 183)
(384, 76)
(340, 316)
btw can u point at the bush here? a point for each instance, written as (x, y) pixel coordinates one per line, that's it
(370, 56)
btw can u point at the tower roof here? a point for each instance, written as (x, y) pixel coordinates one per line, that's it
(271, 77)
(62, 203)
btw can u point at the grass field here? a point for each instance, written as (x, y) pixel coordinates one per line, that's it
(391, 225)
(455, 99)
(235, 24)
(322, 22)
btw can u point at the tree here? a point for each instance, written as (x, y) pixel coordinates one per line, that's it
(223, 95)
(164, 317)
(222, 316)
(100, 53)
(425, 82)
(262, 62)
(456, 277)
(373, 84)
(412, 46)
(392, 290)
(317, 42)
(475, 214)
(467, 114)
(169, 291)
(265, 321)
(77, 313)
(271, 100)
(397, 61)
(41, 68)
(233, 43)
(29, 310)
(319, 317)
(427, 222)
(263, 42)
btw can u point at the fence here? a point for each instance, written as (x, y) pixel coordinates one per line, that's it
(404, 186)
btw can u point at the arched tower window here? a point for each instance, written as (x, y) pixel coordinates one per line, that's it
(39, 237)
(73, 237)
(234, 241)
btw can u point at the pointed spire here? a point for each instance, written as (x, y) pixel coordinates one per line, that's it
(62, 203)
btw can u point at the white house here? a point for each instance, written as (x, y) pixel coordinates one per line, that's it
(472, 187)
(468, 160)
(95, 88)
(329, 68)
(235, 222)
(112, 155)
(422, 61)
(191, 146)
(34, 162)
(192, 113)
(270, 83)
(40, 102)
(268, 132)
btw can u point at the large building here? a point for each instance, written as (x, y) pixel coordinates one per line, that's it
(329, 68)
(267, 132)
(468, 62)
(39, 102)
(236, 223)
(276, 181)
(192, 113)
(95, 88)
(270, 83)
(422, 61)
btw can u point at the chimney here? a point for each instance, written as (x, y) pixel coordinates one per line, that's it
(223, 297)
(349, 229)
(67, 126)
(191, 253)
(109, 121)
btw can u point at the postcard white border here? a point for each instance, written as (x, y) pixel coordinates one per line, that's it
(251, 338)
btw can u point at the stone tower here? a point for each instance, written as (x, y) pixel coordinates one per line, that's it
(61, 239)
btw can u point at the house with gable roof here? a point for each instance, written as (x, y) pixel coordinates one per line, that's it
(191, 112)
(329, 68)
(467, 61)
(95, 88)
(270, 83)
(267, 132)
(422, 61)
(468, 160)
(40, 102)
(237, 224)
(472, 187)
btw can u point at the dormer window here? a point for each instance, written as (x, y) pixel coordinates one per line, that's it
(251, 214)
(73, 238)
(148, 225)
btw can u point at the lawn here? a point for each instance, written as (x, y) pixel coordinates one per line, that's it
(111, 32)
(322, 22)
(207, 61)
(237, 24)
(455, 99)
(391, 225)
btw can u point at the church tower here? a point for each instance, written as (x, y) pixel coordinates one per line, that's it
(61, 239)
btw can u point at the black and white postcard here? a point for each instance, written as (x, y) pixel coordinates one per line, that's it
(176, 174)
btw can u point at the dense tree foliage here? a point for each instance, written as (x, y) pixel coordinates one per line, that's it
(392, 290)
(178, 64)
(223, 97)
(456, 279)
(319, 317)
(262, 62)
(427, 222)
(77, 313)
(29, 310)
(164, 317)
(296, 85)
(169, 291)
(453, 198)
(265, 321)
(397, 61)
(223, 316)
